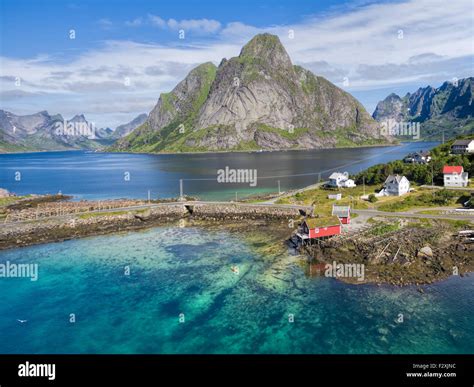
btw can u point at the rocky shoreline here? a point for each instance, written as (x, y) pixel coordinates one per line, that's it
(77, 225)
(413, 255)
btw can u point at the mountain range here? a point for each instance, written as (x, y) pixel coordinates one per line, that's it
(258, 100)
(42, 132)
(448, 108)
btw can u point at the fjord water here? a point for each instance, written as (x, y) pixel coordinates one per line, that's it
(103, 175)
(187, 270)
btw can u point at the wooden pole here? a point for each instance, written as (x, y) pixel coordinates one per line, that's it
(395, 257)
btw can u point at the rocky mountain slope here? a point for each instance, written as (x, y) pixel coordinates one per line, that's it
(256, 100)
(42, 132)
(449, 107)
(125, 129)
(38, 132)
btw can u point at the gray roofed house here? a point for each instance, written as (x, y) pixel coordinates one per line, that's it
(343, 213)
(462, 146)
(395, 185)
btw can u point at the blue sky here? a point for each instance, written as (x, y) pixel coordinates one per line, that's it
(126, 52)
(103, 20)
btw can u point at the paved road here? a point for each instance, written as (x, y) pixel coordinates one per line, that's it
(413, 215)
(450, 188)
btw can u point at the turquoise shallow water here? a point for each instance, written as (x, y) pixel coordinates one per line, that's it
(187, 270)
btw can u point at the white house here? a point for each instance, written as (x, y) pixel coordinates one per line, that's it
(454, 176)
(395, 185)
(418, 158)
(339, 180)
(349, 183)
(463, 146)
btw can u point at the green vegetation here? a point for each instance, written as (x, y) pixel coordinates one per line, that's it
(171, 138)
(383, 228)
(6, 147)
(291, 135)
(373, 198)
(323, 221)
(319, 198)
(95, 214)
(436, 198)
(459, 224)
(167, 102)
(109, 213)
(11, 199)
(376, 175)
(420, 173)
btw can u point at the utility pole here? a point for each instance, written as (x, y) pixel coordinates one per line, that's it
(148, 196)
(180, 189)
(442, 131)
(432, 178)
(279, 191)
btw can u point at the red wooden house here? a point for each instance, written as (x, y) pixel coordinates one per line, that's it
(316, 228)
(343, 213)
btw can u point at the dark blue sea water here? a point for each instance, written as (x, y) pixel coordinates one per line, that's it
(102, 175)
(187, 270)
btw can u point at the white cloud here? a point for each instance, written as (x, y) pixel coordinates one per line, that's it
(201, 25)
(105, 23)
(387, 35)
(194, 25)
(157, 21)
(121, 75)
(135, 22)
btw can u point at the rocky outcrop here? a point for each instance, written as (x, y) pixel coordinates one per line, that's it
(256, 100)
